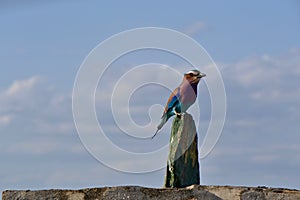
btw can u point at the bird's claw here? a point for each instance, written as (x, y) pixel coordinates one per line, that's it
(179, 114)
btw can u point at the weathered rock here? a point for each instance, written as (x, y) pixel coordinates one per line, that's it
(183, 164)
(194, 192)
(112, 193)
(253, 193)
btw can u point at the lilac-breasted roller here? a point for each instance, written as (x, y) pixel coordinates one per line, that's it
(182, 97)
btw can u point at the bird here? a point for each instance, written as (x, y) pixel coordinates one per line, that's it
(182, 97)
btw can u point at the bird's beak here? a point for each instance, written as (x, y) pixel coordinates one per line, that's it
(201, 75)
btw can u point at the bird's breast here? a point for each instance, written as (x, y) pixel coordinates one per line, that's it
(188, 95)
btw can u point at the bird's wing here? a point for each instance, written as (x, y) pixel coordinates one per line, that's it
(172, 101)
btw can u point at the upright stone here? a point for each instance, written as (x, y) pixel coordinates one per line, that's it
(183, 164)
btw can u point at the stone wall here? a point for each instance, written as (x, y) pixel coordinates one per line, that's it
(194, 192)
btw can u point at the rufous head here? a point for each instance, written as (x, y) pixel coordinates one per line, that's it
(194, 76)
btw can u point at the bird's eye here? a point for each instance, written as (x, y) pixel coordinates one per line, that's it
(191, 74)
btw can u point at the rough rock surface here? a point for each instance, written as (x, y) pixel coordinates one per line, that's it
(194, 192)
(183, 163)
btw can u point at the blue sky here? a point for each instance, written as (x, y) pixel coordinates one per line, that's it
(255, 45)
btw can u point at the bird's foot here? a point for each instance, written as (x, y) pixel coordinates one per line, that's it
(179, 114)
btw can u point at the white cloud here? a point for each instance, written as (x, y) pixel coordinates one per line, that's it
(195, 28)
(265, 70)
(32, 147)
(22, 87)
(276, 95)
(44, 146)
(5, 119)
(263, 158)
(266, 78)
(31, 110)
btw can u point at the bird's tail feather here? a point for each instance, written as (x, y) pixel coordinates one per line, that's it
(164, 119)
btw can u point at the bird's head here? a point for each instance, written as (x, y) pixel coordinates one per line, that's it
(194, 76)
